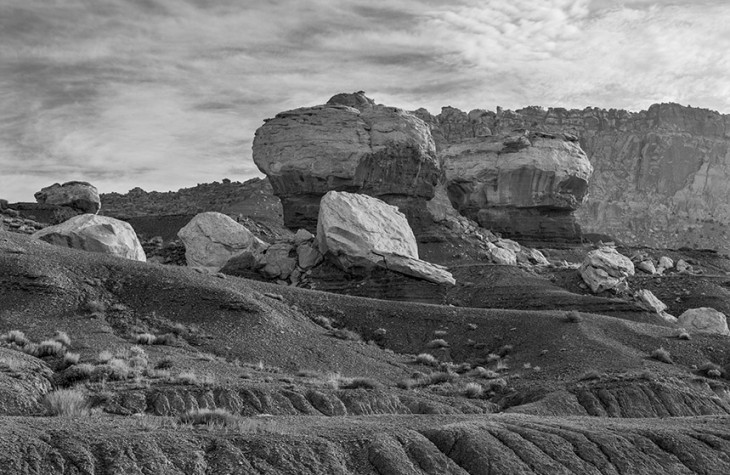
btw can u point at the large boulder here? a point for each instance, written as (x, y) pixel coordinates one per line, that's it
(520, 185)
(376, 150)
(361, 231)
(95, 233)
(704, 320)
(211, 239)
(77, 195)
(605, 269)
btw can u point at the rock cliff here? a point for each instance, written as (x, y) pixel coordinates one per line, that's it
(662, 176)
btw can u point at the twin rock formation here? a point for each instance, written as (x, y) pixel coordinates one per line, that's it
(523, 185)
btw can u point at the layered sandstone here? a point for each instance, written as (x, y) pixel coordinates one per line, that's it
(521, 185)
(376, 150)
(662, 176)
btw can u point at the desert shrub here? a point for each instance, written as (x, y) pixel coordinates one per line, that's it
(437, 343)
(49, 348)
(66, 402)
(441, 377)
(481, 372)
(63, 338)
(496, 385)
(323, 321)
(345, 334)
(660, 354)
(17, 337)
(145, 339)
(462, 368)
(492, 358)
(104, 357)
(590, 375)
(71, 359)
(501, 366)
(473, 390)
(408, 383)
(167, 339)
(74, 374)
(95, 306)
(573, 316)
(440, 333)
(505, 350)
(380, 333)
(683, 334)
(115, 370)
(711, 370)
(364, 383)
(211, 417)
(426, 359)
(165, 363)
(194, 379)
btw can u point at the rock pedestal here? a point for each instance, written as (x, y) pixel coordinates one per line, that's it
(376, 150)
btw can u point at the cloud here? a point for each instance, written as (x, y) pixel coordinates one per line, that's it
(168, 93)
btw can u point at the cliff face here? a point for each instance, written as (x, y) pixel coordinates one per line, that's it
(661, 176)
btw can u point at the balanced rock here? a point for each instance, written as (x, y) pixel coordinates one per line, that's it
(211, 239)
(361, 231)
(78, 195)
(704, 320)
(520, 185)
(95, 233)
(605, 268)
(376, 150)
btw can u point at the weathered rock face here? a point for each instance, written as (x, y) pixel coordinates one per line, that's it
(211, 239)
(94, 233)
(704, 320)
(661, 176)
(77, 195)
(605, 269)
(360, 231)
(373, 149)
(526, 186)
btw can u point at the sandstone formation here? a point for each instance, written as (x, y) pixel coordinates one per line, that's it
(660, 176)
(211, 239)
(520, 185)
(77, 195)
(380, 151)
(704, 320)
(605, 269)
(95, 233)
(360, 231)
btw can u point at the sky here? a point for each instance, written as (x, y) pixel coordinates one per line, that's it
(164, 94)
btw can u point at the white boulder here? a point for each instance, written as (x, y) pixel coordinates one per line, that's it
(211, 239)
(649, 301)
(605, 268)
(704, 320)
(500, 255)
(665, 263)
(362, 231)
(646, 266)
(90, 232)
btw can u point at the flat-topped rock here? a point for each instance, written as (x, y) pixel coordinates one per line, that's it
(78, 195)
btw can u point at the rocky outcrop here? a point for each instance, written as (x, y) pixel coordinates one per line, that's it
(521, 185)
(360, 231)
(211, 239)
(649, 301)
(95, 233)
(704, 320)
(376, 150)
(605, 268)
(660, 175)
(77, 195)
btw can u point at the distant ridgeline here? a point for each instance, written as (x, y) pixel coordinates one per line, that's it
(661, 176)
(252, 198)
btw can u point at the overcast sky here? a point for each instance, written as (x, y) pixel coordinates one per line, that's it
(164, 94)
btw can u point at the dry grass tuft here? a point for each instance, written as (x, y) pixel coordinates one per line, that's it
(437, 343)
(473, 390)
(573, 316)
(427, 359)
(345, 334)
(63, 338)
(145, 339)
(660, 354)
(66, 402)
